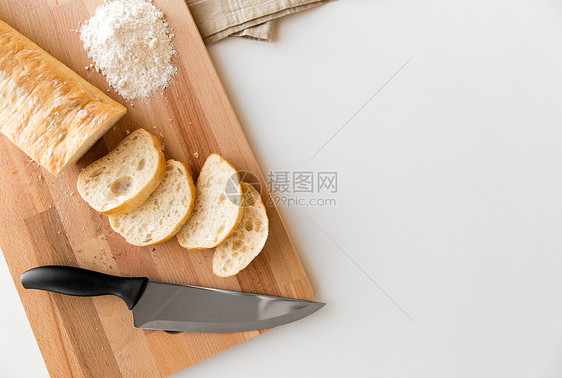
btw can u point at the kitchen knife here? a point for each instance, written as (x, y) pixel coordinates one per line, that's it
(172, 307)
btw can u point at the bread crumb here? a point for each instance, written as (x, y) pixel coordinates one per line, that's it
(87, 67)
(127, 132)
(71, 193)
(196, 155)
(40, 177)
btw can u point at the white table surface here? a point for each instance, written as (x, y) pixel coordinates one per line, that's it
(444, 254)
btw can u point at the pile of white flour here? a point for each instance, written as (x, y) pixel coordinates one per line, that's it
(130, 43)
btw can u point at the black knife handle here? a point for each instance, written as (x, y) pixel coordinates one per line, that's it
(83, 283)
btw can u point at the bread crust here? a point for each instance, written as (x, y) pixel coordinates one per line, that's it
(48, 110)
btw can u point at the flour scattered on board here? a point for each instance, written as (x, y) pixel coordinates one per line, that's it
(130, 43)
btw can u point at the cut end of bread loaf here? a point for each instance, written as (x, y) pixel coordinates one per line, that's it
(123, 179)
(162, 215)
(217, 210)
(88, 142)
(247, 241)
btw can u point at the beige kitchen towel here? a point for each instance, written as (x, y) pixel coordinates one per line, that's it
(261, 32)
(217, 19)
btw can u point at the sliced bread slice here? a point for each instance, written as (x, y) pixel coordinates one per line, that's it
(162, 215)
(217, 209)
(123, 179)
(247, 241)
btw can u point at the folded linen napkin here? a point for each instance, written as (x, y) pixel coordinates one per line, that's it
(217, 19)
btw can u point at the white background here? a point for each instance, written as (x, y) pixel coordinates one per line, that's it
(449, 197)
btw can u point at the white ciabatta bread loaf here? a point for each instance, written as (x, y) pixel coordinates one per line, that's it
(217, 209)
(162, 215)
(46, 109)
(123, 179)
(247, 241)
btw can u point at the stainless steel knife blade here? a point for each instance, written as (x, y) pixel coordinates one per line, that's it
(184, 308)
(173, 307)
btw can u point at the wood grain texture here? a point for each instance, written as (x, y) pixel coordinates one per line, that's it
(44, 220)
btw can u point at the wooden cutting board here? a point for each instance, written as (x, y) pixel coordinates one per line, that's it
(44, 221)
